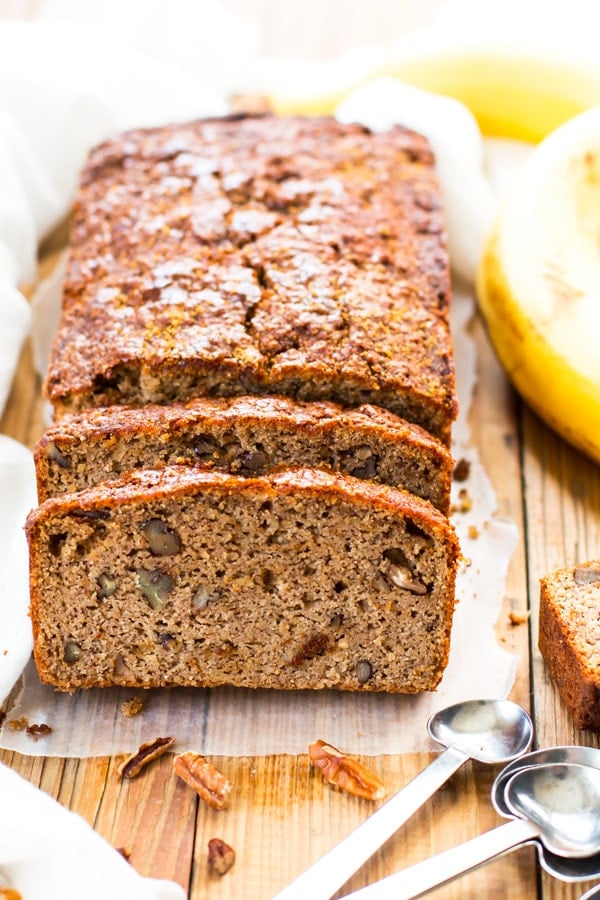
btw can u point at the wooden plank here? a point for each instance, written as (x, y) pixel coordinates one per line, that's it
(495, 431)
(563, 515)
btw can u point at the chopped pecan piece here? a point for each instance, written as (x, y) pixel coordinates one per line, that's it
(204, 778)
(346, 773)
(134, 764)
(36, 731)
(587, 573)
(402, 577)
(221, 856)
(462, 470)
(314, 645)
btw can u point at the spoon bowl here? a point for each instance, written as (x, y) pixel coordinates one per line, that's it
(489, 731)
(565, 869)
(582, 756)
(563, 801)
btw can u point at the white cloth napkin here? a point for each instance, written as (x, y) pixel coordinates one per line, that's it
(48, 852)
(17, 490)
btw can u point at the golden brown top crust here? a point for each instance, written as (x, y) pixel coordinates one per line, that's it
(267, 248)
(146, 485)
(271, 411)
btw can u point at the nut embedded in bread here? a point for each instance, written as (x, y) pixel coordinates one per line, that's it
(297, 579)
(258, 255)
(246, 436)
(569, 638)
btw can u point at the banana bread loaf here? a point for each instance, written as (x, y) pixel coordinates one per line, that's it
(297, 579)
(569, 638)
(247, 435)
(258, 255)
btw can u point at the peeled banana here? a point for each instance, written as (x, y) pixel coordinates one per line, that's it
(538, 282)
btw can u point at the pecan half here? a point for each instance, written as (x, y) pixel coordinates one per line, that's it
(346, 773)
(204, 778)
(221, 856)
(134, 764)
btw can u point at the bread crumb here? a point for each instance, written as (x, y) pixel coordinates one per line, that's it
(517, 618)
(18, 724)
(132, 707)
(473, 532)
(464, 503)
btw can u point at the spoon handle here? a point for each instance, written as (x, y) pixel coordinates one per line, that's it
(323, 878)
(423, 877)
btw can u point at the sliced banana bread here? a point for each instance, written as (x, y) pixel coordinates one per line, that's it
(258, 255)
(297, 579)
(569, 638)
(247, 435)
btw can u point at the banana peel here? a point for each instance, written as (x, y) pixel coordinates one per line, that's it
(538, 282)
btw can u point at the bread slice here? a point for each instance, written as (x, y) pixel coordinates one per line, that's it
(298, 579)
(569, 638)
(248, 436)
(258, 255)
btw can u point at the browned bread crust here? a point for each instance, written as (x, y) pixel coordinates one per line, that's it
(244, 435)
(298, 579)
(569, 638)
(258, 255)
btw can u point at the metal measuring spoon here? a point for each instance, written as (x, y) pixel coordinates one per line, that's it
(490, 731)
(557, 803)
(557, 866)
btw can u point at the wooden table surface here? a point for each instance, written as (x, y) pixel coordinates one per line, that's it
(284, 816)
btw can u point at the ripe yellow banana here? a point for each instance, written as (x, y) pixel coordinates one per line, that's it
(539, 282)
(512, 93)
